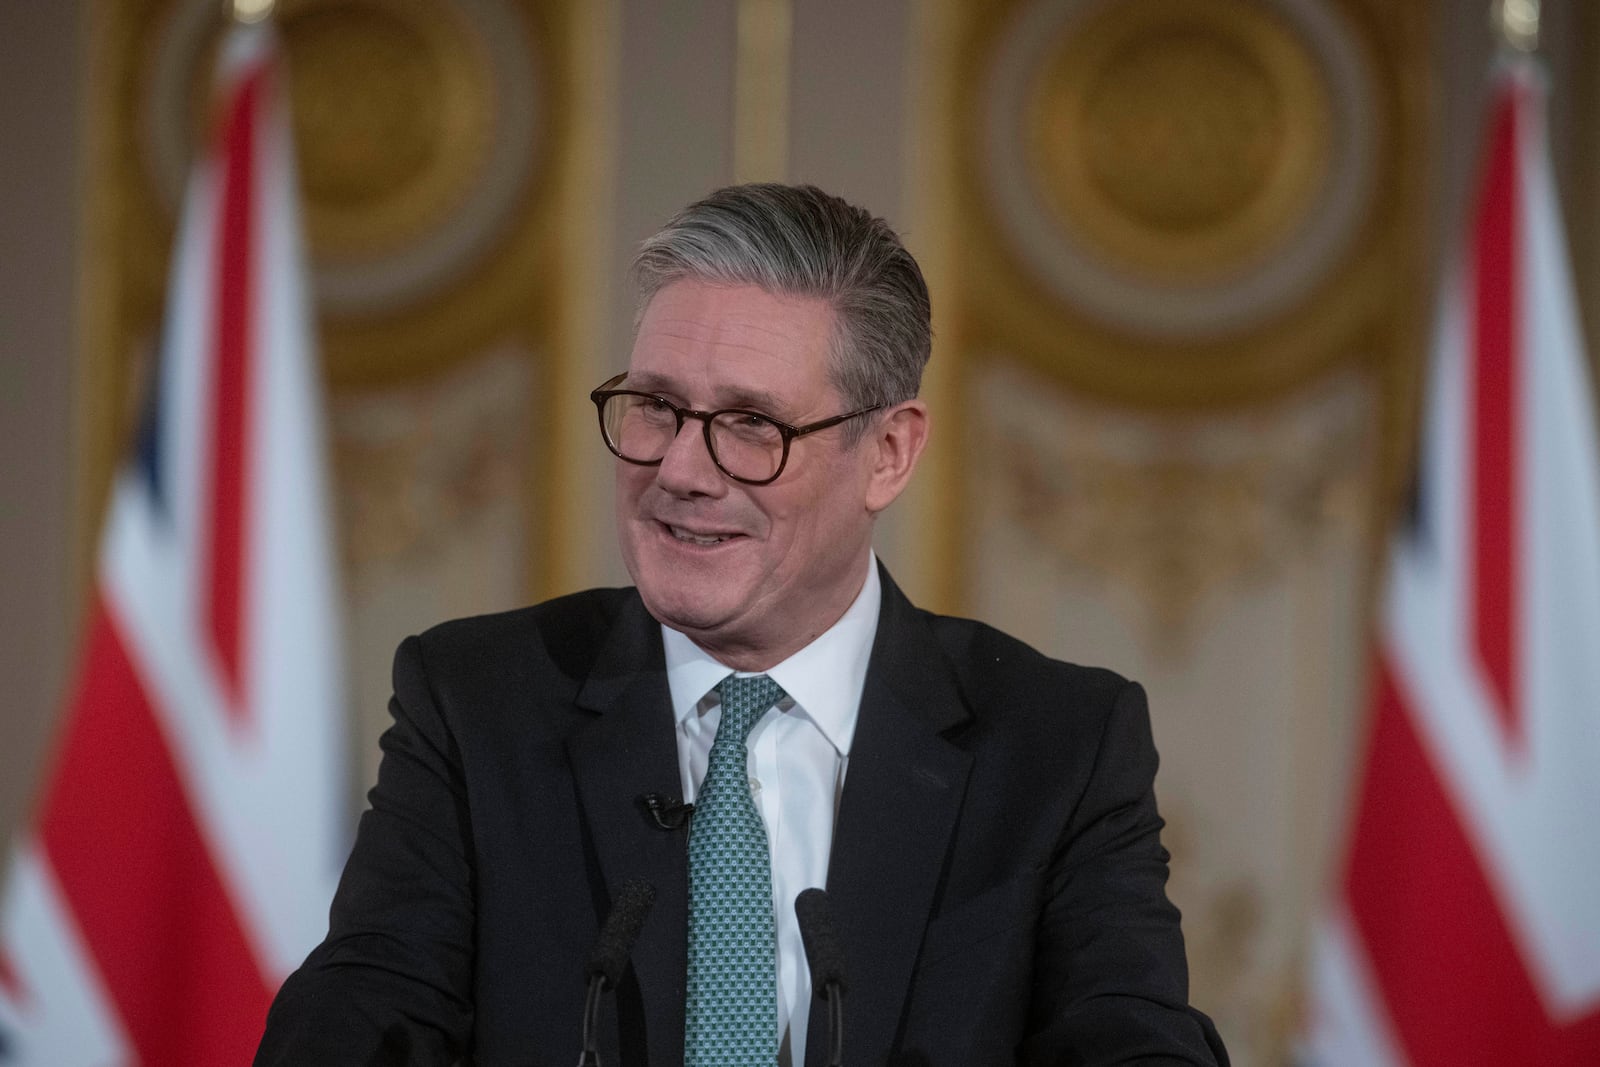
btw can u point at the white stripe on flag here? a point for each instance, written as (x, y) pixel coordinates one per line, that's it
(64, 1018)
(1348, 1028)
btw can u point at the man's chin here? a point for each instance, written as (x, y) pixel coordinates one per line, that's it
(688, 617)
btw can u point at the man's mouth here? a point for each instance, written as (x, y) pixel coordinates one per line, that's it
(690, 537)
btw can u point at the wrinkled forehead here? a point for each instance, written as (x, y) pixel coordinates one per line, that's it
(732, 345)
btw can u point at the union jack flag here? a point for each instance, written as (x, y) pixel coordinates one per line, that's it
(185, 846)
(1466, 926)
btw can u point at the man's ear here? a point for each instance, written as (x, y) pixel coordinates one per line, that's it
(897, 441)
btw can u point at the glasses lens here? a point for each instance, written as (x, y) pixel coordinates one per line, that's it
(640, 428)
(746, 445)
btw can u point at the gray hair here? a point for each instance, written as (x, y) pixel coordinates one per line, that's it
(800, 241)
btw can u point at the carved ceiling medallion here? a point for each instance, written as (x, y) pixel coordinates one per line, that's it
(1178, 169)
(417, 128)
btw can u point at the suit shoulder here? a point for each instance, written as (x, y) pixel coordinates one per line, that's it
(561, 628)
(1042, 720)
(993, 665)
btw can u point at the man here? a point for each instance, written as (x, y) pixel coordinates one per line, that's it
(981, 816)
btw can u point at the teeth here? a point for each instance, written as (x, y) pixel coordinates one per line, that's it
(694, 539)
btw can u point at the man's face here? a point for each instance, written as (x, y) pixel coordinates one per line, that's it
(751, 573)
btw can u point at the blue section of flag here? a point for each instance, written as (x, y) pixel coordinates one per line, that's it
(1414, 514)
(147, 441)
(5, 1047)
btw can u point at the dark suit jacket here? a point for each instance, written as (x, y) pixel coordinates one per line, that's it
(997, 878)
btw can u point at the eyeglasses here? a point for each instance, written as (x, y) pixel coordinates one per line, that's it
(745, 445)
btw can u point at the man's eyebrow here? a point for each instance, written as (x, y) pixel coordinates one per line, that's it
(734, 397)
(647, 383)
(725, 396)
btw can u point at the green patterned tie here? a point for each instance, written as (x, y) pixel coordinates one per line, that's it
(731, 1013)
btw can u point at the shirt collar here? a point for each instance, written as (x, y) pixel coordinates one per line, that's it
(825, 678)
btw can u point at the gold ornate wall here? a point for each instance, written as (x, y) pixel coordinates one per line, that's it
(1187, 204)
(1184, 259)
(1177, 251)
(434, 144)
(1175, 208)
(1179, 207)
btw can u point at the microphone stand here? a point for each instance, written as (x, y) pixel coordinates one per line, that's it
(835, 996)
(590, 1056)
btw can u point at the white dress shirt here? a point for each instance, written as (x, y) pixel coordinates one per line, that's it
(798, 755)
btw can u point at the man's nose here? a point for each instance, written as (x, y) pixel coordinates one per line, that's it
(688, 467)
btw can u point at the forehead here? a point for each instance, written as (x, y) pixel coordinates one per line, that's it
(727, 341)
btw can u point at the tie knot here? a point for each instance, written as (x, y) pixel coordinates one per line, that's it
(745, 700)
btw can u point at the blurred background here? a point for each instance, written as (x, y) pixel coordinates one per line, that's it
(1182, 254)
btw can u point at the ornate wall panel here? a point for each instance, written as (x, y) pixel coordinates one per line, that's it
(1183, 206)
(436, 144)
(1218, 558)
(1188, 202)
(1184, 276)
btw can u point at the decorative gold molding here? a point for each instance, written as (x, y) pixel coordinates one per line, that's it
(1167, 509)
(421, 461)
(1368, 312)
(432, 141)
(1139, 88)
(1099, 301)
(1185, 194)
(392, 119)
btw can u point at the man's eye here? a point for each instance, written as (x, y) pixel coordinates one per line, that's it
(750, 427)
(655, 409)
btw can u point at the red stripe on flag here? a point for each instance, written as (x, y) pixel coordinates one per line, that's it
(233, 343)
(138, 879)
(10, 982)
(1493, 517)
(1446, 960)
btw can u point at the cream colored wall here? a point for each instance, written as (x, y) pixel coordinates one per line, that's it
(671, 141)
(40, 76)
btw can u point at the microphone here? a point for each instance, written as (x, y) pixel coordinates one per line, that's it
(667, 813)
(817, 933)
(610, 956)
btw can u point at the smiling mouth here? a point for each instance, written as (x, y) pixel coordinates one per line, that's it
(688, 537)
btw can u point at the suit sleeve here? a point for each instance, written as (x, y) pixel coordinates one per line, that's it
(1111, 981)
(392, 982)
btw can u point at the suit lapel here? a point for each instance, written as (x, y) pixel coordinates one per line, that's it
(626, 750)
(902, 796)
